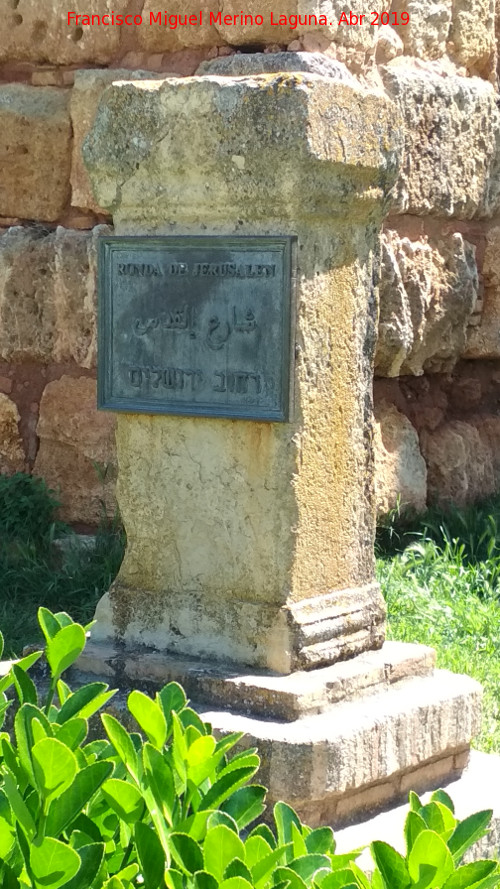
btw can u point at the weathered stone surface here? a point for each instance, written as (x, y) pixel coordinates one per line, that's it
(155, 37)
(274, 697)
(426, 33)
(11, 450)
(428, 291)
(38, 31)
(497, 32)
(365, 751)
(400, 470)
(483, 339)
(389, 45)
(35, 151)
(463, 28)
(74, 437)
(373, 740)
(48, 295)
(218, 121)
(459, 463)
(452, 136)
(472, 35)
(244, 65)
(88, 89)
(298, 18)
(489, 433)
(290, 503)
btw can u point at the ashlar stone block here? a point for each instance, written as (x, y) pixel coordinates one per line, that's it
(77, 450)
(428, 292)
(12, 457)
(240, 65)
(87, 90)
(288, 20)
(337, 742)
(39, 31)
(472, 36)
(473, 791)
(48, 295)
(166, 34)
(261, 119)
(426, 33)
(483, 339)
(264, 694)
(35, 151)
(452, 143)
(460, 463)
(362, 755)
(400, 470)
(464, 29)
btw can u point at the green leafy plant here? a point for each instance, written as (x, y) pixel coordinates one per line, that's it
(436, 843)
(121, 809)
(168, 808)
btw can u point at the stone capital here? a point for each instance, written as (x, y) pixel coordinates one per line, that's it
(204, 150)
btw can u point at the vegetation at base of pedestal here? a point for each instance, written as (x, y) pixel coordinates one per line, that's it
(27, 509)
(440, 575)
(170, 809)
(32, 570)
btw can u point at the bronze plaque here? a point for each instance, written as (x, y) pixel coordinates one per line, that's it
(195, 326)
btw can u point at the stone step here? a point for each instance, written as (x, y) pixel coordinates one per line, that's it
(382, 729)
(271, 695)
(478, 788)
(364, 753)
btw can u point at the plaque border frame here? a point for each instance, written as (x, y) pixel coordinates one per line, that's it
(107, 401)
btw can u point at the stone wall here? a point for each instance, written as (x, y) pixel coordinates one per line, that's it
(437, 386)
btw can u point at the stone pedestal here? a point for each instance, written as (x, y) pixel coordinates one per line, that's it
(337, 742)
(250, 544)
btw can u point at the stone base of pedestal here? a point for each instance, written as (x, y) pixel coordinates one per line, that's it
(304, 635)
(262, 693)
(365, 753)
(336, 742)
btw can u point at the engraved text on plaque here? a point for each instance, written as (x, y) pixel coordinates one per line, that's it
(195, 326)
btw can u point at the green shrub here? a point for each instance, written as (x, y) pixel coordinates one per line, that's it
(170, 808)
(32, 571)
(27, 509)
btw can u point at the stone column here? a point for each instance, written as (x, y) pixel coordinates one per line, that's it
(252, 542)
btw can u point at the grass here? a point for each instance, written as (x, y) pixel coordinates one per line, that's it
(440, 576)
(32, 570)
